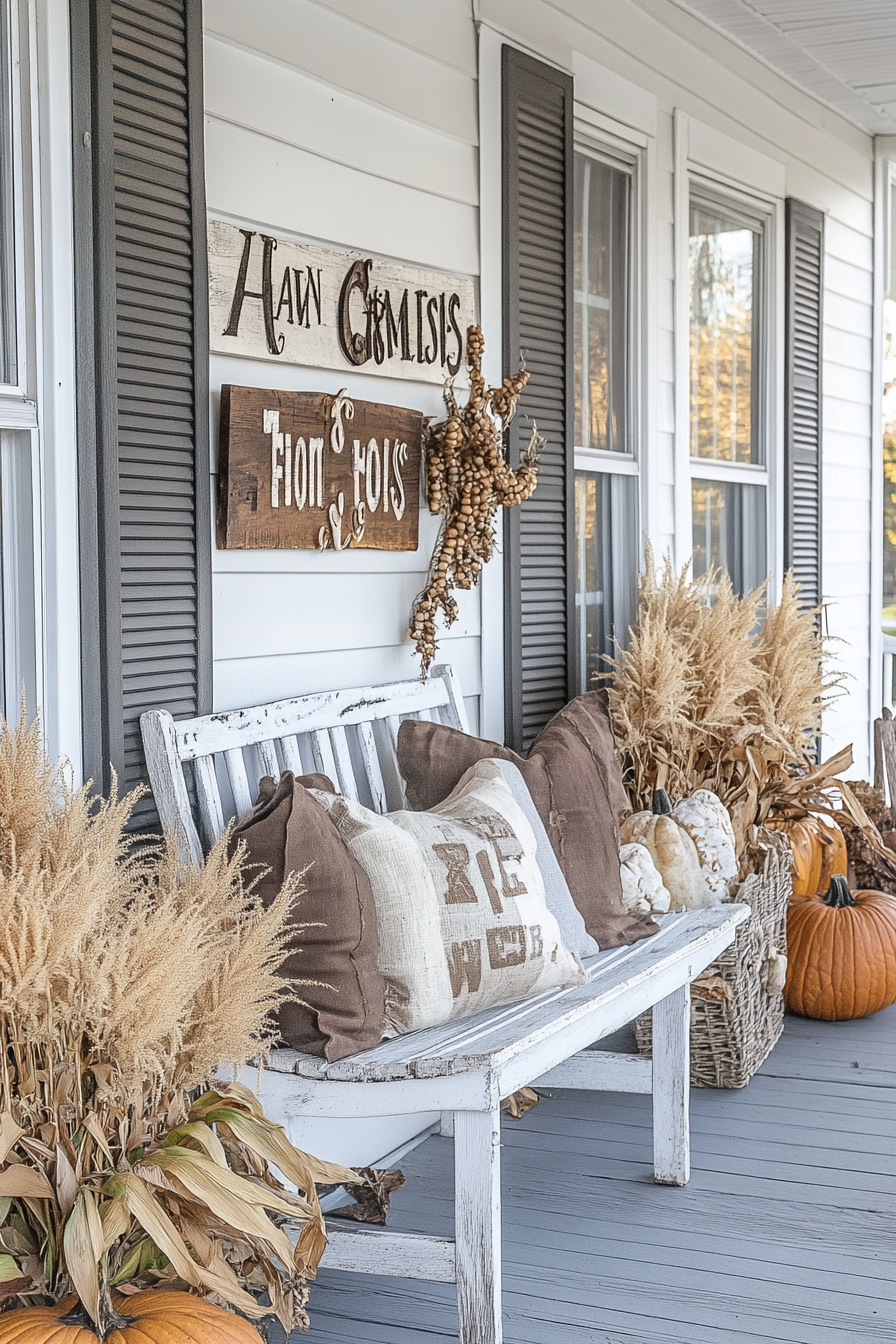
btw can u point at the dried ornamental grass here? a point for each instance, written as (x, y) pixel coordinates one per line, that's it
(126, 981)
(721, 694)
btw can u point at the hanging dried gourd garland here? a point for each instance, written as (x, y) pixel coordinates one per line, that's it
(467, 479)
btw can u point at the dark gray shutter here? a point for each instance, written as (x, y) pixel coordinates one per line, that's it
(802, 396)
(142, 349)
(538, 183)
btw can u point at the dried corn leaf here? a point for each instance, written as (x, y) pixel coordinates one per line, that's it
(371, 1196)
(519, 1102)
(711, 989)
(23, 1182)
(10, 1133)
(83, 1244)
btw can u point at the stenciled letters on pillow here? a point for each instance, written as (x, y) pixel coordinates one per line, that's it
(460, 902)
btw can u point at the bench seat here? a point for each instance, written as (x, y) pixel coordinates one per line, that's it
(514, 1038)
(461, 1069)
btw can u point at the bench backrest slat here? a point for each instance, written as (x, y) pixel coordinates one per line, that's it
(347, 735)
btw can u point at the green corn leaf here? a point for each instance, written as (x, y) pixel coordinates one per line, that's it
(8, 1269)
(229, 1197)
(130, 1266)
(203, 1135)
(269, 1141)
(147, 1211)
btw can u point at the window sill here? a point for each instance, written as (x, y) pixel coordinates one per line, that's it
(711, 469)
(16, 411)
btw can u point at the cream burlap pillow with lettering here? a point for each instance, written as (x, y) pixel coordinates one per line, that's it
(460, 902)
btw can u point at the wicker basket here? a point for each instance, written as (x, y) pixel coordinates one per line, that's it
(737, 1009)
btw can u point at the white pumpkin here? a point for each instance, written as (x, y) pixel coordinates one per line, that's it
(643, 889)
(674, 853)
(705, 818)
(691, 844)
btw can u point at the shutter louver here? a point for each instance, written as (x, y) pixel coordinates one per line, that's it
(150, 361)
(803, 382)
(537, 114)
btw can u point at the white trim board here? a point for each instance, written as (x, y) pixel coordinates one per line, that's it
(491, 311)
(729, 160)
(610, 93)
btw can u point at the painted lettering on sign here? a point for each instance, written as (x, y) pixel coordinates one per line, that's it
(275, 299)
(304, 470)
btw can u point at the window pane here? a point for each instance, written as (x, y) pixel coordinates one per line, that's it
(729, 531)
(601, 284)
(607, 568)
(7, 260)
(889, 436)
(725, 270)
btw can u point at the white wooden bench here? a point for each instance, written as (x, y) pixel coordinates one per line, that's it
(462, 1069)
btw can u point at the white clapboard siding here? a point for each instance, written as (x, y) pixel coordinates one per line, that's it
(286, 614)
(335, 124)
(277, 183)
(321, 126)
(275, 678)
(441, 30)
(386, 72)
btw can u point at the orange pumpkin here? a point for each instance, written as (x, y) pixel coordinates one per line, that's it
(159, 1316)
(841, 953)
(818, 848)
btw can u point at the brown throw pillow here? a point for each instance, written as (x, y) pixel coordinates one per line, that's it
(289, 832)
(574, 777)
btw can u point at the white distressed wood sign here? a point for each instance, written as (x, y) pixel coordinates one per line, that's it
(273, 299)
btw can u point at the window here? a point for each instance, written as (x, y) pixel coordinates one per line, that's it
(889, 429)
(606, 481)
(7, 207)
(18, 628)
(729, 481)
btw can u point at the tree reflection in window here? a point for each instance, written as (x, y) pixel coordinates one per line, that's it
(725, 257)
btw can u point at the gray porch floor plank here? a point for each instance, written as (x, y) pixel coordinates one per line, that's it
(784, 1235)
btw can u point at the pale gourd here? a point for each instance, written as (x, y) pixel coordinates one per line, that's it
(692, 844)
(672, 850)
(643, 889)
(705, 818)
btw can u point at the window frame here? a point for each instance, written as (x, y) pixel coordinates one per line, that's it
(20, 468)
(714, 191)
(600, 138)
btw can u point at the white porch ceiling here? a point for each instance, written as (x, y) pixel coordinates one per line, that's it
(841, 51)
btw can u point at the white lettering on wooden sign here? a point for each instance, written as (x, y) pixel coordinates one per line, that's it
(283, 483)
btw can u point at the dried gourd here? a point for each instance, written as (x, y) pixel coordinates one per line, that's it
(672, 850)
(643, 889)
(691, 843)
(467, 479)
(706, 819)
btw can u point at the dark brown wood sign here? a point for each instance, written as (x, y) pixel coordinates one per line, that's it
(308, 471)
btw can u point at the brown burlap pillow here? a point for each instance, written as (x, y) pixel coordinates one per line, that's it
(335, 940)
(574, 777)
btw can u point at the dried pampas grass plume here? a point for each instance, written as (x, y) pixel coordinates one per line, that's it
(126, 981)
(718, 691)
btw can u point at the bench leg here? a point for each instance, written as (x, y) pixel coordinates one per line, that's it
(671, 1088)
(477, 1219)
